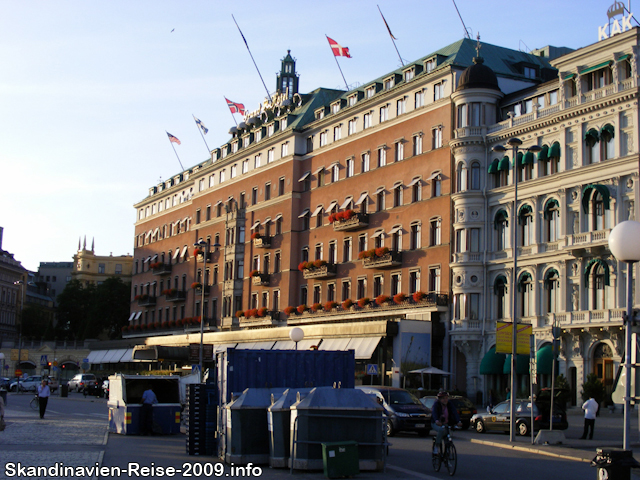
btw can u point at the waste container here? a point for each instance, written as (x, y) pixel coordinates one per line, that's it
(125, 403)
(614, 463)
(279, 415)
(64, 390)
(340, 459)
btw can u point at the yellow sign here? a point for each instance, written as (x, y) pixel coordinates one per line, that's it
(24, 354)
(504, 333)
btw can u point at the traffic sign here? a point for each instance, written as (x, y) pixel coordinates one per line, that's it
(43, 360)
(372, 369)
(18, 372)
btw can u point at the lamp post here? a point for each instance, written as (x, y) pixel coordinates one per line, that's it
(22, 285)
(205, 248)
(623, 243)
(514, 143)
(296, 334)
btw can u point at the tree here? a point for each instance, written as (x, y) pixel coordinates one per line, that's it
(593, 388)
(37, 322)
(110, 309)
(74, 306)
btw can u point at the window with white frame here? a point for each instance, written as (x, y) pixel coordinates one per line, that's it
(349, 167)
(223, 174)
(436, 138)
(246, 141)
(245, 166)
(335, 172)
(270, 129)
(234, 171)
(414, 281)
(257, 160)
(384, 113)
(399, 150)
(371, 91)
(365, 162)
(212, 181)
(378, 285)
(552, 290)
(284, 149)
(258, 135)
(397, 195)
(335, 107)
(234, 147)
(366, 120)
(434, 279)
(389, 83)
(283, 123)
(435, 232)
(380, 201)
(414, 236)
(401, 106)
(552, 220)
(271, 155)
(346, 249)
(323, 138)
(352, 100)
(418, 99)
(382, 156)
(337, 132)
(362, 288)
(408, 75)
(417, 144)
(438, 91)
(430, 65)
(352, 126)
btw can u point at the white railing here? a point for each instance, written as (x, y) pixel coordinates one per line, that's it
(585, 317)
(627, 83)
(599, 236)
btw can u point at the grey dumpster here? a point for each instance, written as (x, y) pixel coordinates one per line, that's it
(614, 463)
(247, 426)
(336, 415)
(279, 414)
(64, 390)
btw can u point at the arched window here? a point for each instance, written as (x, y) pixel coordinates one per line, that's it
(500, 291)
(554, 157)
(552, 290)
(525, 166)
(607, 134)
(504, 166)
(595, 203)
(475, 176)
(525, 289)
(525, 219)
(596, 277)
(591, 139)
(501, 225)
(461, 177)
(552, 220)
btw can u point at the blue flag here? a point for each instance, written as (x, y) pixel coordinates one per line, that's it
(201, 125)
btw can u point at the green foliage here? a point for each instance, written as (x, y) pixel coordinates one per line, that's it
(593, 388)
(93, 311)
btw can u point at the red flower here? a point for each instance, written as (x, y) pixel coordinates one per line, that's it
(240, 313)
(330, 306)
(332, 218)
(347, 303)
(382, 299)
(363, 302)
(418, 296)
(289, 310)
(301, 308)
(399, 298)
(382, 251)
(316, 306)
(255, 235)
(319, 263)
(195, 285)
(262, 312)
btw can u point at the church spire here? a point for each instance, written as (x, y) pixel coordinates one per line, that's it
(287, 79)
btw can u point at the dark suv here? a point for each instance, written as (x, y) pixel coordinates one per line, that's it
(404, 412)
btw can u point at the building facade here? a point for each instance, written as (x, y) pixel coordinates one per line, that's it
(91, 268)
(380, 219)
(52, 277)
(11, 298)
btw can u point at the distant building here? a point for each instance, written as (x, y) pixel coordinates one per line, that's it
(91, 268)
(11, 271)
(52, 277)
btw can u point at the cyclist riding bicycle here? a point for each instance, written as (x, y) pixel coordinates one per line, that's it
(443, 413)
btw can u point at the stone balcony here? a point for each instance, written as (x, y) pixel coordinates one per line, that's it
(388, 260)
(198, 291)
(176, 296)
(146, 301)
(163, 269)
(356, 222)
(582, 319)
(271, 319)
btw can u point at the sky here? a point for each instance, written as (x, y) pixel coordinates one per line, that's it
(88, 89)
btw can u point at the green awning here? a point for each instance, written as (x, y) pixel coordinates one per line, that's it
(568, 77)
(500, 280)
(493, 167)
(554, 151)
(592, 134)
(524, 276)
(623, 57)
(551, 272)
(504, 164)
(522, 364)
(544, 360)
(520, 159)
(543, 154)
(528, 158)
(586, 195)
(524, 210)
(608, 130)
(588, 267)
(549, 204)
(492, 362)
(500, 216)
(595, 67)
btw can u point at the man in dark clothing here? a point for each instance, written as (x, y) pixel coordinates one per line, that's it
(443, 413)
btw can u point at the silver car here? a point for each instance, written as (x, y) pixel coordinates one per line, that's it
(29, 384)
(82, 381)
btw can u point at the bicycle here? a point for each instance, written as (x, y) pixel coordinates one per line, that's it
(447, 453)
(34, 403)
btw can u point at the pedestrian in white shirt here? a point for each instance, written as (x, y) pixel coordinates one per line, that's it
(590, 408)
(43, 396)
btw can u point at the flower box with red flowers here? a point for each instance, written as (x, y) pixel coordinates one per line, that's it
(290, 311)
(349, 220)
(382, 258)
(317, 269)
(260, 279)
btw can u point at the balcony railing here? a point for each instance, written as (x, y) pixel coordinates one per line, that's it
(262, 241)
(583, 318)
(261, 279)
(390, 259)
(198, 291)
(357, 221)
(325, 271)
(270, 319)
(163, 269)
(146, 301)
(176, 296)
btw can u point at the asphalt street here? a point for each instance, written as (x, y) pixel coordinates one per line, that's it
(74, 433)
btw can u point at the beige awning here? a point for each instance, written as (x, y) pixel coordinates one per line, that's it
(255, 225)
(363, 346)
(138, 315)
(304, 214)
(304, 177)
(380, 189)
(177, 254)
(378, 234)
(318, 170)
(347, 201)
(334, 344)
(184, 250)
(267, 220)
(361, 199)
(433, 175)
(332, 205)
(317, 211)
(414, 181)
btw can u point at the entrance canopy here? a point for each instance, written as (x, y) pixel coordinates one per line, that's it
(492, 363)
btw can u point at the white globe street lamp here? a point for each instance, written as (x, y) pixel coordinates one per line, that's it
(296, 334)
(624, 243)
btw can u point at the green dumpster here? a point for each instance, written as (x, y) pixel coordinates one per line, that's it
(340, 459)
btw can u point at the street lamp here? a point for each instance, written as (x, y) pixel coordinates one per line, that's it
(296, 334)
(22, 285)
(205, 247)
(623, 243)
(514, 143)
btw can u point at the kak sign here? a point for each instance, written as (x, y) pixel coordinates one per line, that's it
(504, 333)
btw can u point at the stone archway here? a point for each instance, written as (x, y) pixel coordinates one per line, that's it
(603, 365)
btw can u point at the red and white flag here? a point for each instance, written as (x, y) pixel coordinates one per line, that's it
(337, 50)
(173, 138)
(235, 107)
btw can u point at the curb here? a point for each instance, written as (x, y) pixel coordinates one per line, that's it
(535, 450)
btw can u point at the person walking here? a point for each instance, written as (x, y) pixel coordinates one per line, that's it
(146, 415)
(43, 397)
(590, 408)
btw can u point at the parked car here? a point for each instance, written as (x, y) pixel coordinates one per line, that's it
(82, 381)
(499, 418)
(465, 407)
(29, 384)
(404, 411)
(5, 382)
(53, 384)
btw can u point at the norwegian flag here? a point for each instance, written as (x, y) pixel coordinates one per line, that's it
(235, 107)
(337, 50)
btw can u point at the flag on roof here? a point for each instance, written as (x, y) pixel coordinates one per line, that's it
(386, 24)
(201, 125)
(337, 50)
(173, 138)
(235, 107)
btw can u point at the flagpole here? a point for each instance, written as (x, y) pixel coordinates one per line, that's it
(200, 130)
(254, 62)
(234, 118)
(393, 39)
(336, 59)
(174, 151)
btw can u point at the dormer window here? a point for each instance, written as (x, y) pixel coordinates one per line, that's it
(246, 141)
(270, 129)
(430, 65)
(258, 135)
(371, 91)
(319, 114)
(409, 75)
(283, 123)
(389, 83)
(529, 72)
(352, 100)
(335, 107)
(234, 147)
